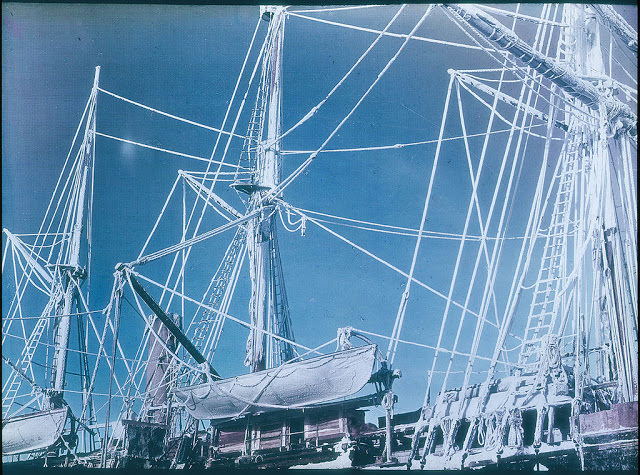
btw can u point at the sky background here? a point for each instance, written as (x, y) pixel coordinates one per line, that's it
(185, 60)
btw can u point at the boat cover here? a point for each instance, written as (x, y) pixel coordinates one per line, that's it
(291, 385)
(32, 432)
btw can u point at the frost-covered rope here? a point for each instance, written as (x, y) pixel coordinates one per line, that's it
(172, 116)
(517, 69)
(23, 267)
(194, 240)
(421, 345)
(211, 345)
(403, 145)
(64, 166)
(164, 150)
(287, 181)
(395, 35)
(334, 9)
(225, 315)
(202, 194)
(488, 291)
(131, 382)
(224, 154)
(397, 326)
(342, 80)
(524, 257)
(22, 285)
(149, 325)
(76, 314)
(108, 320)
(72, 350)
(298, 225)
(522, 16)
(488, 106)
(379, 259)
(155, 225)
(397, 230)
(497, 249)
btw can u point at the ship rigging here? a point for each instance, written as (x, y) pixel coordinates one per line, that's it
(512, 304)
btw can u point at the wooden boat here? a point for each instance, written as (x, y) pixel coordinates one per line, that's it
(32, 432)
(311, 381)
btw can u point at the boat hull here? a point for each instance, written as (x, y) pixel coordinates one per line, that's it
(312, 381)
(33, 432)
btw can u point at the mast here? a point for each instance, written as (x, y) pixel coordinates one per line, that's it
(563, 77)
(71, 273)
(618, 317)
(268, 306)
(618, 25)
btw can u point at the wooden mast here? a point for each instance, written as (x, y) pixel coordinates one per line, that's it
(268, 306)
(72, 273)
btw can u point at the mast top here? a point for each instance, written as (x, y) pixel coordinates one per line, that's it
(268, 11)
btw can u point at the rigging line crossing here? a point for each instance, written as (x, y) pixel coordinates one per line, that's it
(526, 143)
(64, 166)
(224, 154)
(203, 175)
(379, 259)
(395, 35)
(398, 229)
(140, 365)
(67, 204)
(538, 40)
(324, 10)
(212, 343)
(475, 177)
(224, 122)
(522, 16)
(155, 225)
(202, 194)
(201, 189)
(181, 119)
(107, 321)
(429, 347)
(225, 315)
(53, 316)
(500, 116)
(518, 146)
(21, 235)
(73, 350)
(224, 279)
(171, 152)
(397, 326)
(23, 267)
(474, 201)
(6, 249)
(231, 249)
(410, 144)
(20, 288)
(117, 287)
(570, 83)
(16, 305)
(190, 242)
(287, 181)
(33, 248)
(516, 69)
(497, 250)
(149, 326)
(533, 225)
(315, 109)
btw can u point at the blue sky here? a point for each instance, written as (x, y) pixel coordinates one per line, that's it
(184, 60)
